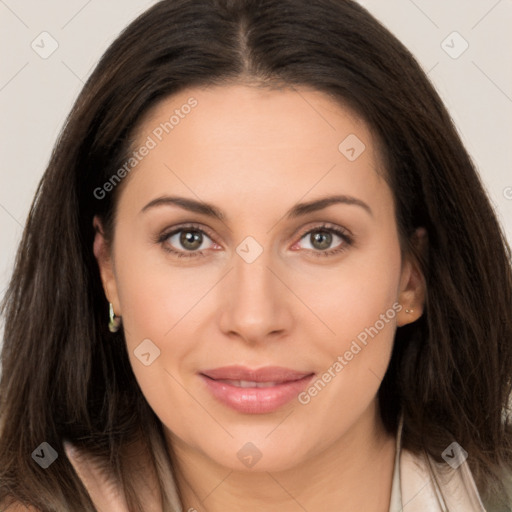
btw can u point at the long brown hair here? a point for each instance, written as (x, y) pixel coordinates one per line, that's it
(65, 376)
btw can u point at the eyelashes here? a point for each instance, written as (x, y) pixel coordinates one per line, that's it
(346, 238)
(328, 232)
(164, 238)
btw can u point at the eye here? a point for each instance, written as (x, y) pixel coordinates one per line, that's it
(321, 238)
(191, 241)
(186, 241)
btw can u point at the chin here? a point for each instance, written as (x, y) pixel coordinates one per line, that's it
(257, 456)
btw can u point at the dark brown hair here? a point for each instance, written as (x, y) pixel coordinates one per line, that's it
(65, 376)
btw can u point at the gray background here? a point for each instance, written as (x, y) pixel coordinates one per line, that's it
(37, 93)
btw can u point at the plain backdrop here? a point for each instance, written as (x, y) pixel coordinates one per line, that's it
(464, 45)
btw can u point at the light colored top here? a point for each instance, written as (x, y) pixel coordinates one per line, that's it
(422, 485)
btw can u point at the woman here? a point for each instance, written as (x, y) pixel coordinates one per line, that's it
(260, 271)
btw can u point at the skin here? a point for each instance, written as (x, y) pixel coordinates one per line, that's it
(255, 153)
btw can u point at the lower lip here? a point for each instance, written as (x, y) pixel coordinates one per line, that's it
(256, 400)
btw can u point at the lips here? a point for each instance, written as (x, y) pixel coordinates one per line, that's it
(248, 383)
(255, 391)
(267, 374)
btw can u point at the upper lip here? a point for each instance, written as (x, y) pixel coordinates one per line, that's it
(265, 374)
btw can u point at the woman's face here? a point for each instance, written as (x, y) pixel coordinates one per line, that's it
(282, 277)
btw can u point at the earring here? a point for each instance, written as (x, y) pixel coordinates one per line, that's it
(409, 310)
(114, 322)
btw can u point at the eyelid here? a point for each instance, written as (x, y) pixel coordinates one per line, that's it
(192, 226)
(328, 226)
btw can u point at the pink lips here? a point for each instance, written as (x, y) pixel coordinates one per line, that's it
(255, 391)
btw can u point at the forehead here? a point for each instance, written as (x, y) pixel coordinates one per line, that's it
(251, 141)
(252, 116)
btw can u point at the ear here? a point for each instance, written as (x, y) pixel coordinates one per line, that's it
(102, 252)
(412, 290)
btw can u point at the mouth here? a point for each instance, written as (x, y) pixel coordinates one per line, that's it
(255, 391)
(248, 383)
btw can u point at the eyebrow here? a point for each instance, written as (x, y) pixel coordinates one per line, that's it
(297, 210)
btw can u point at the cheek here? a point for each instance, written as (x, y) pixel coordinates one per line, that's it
(160, 303)
(154, 293)
(359, 293)
(360, 308)
(156, 312)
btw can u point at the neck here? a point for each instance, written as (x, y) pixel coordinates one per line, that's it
(335, 478)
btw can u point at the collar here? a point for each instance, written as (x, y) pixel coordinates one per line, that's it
(420, 484)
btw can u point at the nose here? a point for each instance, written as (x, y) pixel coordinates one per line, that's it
(257, 305)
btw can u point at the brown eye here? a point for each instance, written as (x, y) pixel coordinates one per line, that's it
(191, 239)
(321, 240)
(186, 241)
